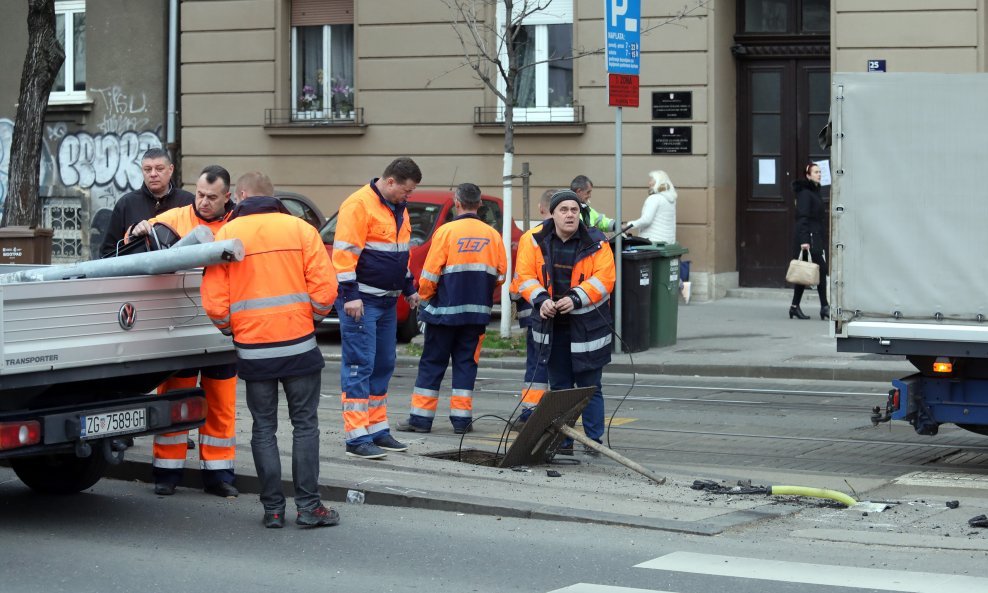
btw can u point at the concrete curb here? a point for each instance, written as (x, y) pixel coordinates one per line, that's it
(814, 373)
(336, 491)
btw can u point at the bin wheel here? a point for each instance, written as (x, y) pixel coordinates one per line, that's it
(59, 473)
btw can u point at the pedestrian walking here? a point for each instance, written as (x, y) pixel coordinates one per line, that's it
(566, 271)
(270, 303)
(370, 254)
(465, 264)
(811, 217)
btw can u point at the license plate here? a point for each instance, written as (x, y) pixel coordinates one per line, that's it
(121, 421)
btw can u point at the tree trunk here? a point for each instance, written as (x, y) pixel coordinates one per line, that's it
(41, 64)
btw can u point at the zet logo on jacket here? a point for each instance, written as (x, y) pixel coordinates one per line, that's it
(471, 244)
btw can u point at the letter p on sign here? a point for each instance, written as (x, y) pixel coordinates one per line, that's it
(618, 8)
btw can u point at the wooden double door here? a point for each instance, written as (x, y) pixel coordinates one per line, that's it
(783, 104)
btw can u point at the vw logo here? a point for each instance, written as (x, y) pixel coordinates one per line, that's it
(127, 316)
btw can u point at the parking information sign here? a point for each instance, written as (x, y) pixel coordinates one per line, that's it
(623, 36)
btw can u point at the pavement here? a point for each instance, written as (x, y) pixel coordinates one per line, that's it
(748, 334)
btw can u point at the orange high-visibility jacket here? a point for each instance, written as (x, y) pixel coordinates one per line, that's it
(592, 280)
(465, 264)
(523, 308)
(272, 299)
(370, 249)
(183, 220)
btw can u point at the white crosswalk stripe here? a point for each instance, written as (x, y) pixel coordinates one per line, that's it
(816, 574)
(589, 588)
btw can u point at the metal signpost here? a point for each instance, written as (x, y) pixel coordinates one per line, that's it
(623, 43)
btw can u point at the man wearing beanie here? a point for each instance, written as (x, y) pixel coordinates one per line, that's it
(566, 271)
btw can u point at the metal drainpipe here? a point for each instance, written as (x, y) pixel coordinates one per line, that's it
(172, 77)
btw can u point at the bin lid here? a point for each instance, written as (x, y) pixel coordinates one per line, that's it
(21, 232)
(666, 249)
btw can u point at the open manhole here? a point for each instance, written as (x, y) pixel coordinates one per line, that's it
(539, 438)
(471, 456)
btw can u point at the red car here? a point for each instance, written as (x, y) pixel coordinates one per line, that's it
(427, 210)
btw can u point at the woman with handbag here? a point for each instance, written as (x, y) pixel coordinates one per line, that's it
(811, 215)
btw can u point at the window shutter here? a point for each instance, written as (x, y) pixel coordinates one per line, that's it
(322, 12)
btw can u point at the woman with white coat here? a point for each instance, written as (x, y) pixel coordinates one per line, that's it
(658, 219)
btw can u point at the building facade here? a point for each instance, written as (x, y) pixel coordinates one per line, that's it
(108, 107)
(321, 94)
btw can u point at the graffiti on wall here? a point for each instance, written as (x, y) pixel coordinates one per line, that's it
(92, 167)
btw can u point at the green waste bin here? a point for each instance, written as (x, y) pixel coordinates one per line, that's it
(665, 293)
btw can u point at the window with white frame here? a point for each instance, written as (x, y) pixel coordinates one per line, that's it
(544, 46)
(70, 30)
(322, 59)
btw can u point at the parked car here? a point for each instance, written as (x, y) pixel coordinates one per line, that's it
(302, 207)
(427, 210)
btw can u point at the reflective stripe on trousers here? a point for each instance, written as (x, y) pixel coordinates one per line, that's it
(217, 437)
(460, 344)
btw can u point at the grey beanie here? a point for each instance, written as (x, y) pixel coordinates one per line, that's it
(560, 197)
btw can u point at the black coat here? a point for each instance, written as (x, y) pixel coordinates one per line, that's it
(811, 216)
(136, 206)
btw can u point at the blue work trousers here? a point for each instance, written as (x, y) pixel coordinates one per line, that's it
(367, 365)
(562, 376)
(443, 343)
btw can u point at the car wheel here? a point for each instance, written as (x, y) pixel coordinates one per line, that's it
(62, 473)
(409, 328)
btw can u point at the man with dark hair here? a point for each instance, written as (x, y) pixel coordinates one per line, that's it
(217, 437)
(270, 303)
(370, 254)
(583, 187)
(464, 266)
(156, 195)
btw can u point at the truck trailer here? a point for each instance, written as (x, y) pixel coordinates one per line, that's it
(909, 213)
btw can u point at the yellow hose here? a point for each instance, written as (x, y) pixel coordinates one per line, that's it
(814, 492)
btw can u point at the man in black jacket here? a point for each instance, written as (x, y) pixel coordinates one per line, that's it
(155, 196)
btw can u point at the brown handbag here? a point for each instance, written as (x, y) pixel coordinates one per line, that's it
(803, 272)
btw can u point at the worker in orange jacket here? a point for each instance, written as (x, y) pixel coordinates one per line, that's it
(370, 254)
(217, 437)
(536, 353)
(465, 264)
(270, 303)
(566, 272)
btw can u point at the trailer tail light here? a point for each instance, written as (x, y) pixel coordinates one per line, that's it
(19, 434)
(190, 409)
(943, 365)
(894, 397)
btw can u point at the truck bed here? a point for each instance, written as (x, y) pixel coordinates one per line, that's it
(70, 331)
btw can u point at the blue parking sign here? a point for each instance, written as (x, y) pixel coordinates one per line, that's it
(623, 29)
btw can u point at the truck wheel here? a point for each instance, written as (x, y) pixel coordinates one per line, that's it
(976, 428)
(59, 474)
(409, 328)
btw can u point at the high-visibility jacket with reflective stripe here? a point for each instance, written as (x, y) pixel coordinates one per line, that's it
(596, 220)
(523, 308)
(465, 264)
(370, 249)
(183, 220)
(271, 300)
(592, 280)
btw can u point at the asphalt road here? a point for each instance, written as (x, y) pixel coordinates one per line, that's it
(120, 538)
